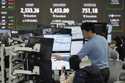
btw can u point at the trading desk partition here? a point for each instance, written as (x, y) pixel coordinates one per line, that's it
(41, 59)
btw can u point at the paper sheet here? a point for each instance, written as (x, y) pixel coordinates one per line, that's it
(57, 65)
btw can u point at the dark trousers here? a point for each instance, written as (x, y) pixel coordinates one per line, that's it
(105, 73)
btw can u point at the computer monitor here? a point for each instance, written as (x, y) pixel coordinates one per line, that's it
(76, 32)
(76, 46)
(109, 35)
(77, 39)
(105, 30)
(61, 47)
(54, 30)
(101, 29)
(61, 42)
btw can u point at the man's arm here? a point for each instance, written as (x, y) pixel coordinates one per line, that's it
(84, 51)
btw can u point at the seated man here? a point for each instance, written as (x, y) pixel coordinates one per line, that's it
(74, 65)
(89, 74)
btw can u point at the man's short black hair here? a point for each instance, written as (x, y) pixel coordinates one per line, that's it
(88, 26)
(74, 62)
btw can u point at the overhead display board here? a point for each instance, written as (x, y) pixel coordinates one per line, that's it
(7, 14)
(27, 12)
(15, 13)
(115, 13)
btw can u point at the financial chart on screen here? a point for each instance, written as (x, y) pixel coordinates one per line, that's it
(61, 47)
(77, 39)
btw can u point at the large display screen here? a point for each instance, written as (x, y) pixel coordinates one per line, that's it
(48, 11)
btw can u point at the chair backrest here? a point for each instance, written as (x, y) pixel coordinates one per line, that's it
(89, 74)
